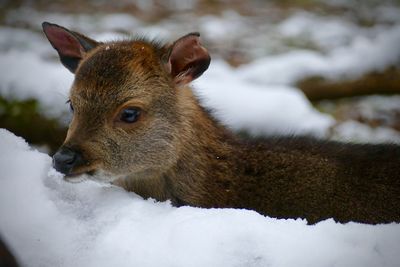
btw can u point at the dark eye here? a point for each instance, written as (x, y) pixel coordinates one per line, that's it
(70, 105)
(130, 115)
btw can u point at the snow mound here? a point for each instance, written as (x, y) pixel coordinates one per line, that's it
(49, 222)
(271, 109)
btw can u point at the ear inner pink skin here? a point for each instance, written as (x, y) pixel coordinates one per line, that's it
(188, 59)
(64, 42)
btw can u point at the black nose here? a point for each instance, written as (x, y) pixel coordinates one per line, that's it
(65, 159)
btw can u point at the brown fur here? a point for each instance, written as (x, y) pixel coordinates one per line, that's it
(177, 151)
(7, 259)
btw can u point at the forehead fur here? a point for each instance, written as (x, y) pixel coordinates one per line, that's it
(110, 67)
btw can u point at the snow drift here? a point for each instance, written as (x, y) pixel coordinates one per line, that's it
(49, 222)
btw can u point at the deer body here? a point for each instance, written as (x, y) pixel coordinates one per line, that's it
(137, 121)
(283, 177)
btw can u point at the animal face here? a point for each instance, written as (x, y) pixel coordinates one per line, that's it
(127, 112)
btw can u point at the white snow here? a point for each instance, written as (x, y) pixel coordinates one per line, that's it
(356, 132)
(221, 27)
(361, 56)
(49, 222)
(268, 109)
(259, 97)
(328, 32)
(239, 104)
(25, 75)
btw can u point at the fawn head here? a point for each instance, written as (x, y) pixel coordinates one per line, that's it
(126, 115)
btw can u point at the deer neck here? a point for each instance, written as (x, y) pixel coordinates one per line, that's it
(202, 173)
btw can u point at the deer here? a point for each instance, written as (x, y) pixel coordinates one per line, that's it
(137, 124)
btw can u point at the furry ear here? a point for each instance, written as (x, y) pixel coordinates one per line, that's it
(71, 46)
(187, 59)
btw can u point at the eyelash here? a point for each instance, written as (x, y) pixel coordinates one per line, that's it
(70, 105)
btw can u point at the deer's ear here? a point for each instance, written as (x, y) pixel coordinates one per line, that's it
(187, 59)
(71, 46)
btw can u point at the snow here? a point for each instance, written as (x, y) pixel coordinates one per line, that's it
(49, 222)
(356, 132)
(221, 27)
(262, 95)
(361, 56)
(259, 97)
(259, 109)
(240, 105)
(336, 31)
(48, 82)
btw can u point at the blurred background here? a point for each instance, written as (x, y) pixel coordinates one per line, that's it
(329, 68)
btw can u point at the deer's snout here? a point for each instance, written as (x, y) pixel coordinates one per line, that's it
(66, 159)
